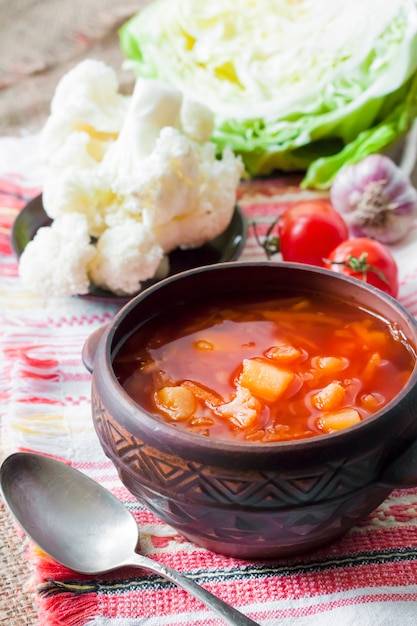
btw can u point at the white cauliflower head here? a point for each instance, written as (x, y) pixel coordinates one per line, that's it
(55, 262)
(138, 172)
(86, 99)
(127, 254)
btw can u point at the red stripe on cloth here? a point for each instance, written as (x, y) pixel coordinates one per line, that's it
(82, 320)
(170, 601)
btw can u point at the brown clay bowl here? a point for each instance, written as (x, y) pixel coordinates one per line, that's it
(253, 500)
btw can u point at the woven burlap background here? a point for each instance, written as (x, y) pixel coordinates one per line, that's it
(40, 40)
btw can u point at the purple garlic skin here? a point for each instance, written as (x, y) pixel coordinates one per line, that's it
(376, 199)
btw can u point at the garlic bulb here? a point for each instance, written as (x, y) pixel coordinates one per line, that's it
(376, 199)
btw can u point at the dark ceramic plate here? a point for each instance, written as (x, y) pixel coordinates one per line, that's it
(226, 247)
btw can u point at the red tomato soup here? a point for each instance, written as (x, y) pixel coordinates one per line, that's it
(276, 370)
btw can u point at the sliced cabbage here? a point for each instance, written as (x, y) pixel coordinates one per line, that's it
(293, 84)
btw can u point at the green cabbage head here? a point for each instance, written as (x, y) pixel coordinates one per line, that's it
(307, 85)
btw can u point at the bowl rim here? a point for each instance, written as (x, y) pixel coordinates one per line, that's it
(180, 436)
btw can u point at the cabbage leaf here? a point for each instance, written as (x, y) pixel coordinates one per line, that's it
(306, 85)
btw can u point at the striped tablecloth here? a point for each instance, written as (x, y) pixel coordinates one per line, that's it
(368, 578)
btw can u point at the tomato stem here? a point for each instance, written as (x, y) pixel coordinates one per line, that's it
(359, 265)
(270, 244)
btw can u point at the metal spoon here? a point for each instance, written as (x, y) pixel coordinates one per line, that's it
(83, 526)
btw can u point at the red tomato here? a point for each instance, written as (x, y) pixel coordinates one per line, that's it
(309, 231)
(368, 260)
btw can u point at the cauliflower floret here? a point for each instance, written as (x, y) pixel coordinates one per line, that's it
(85, 99)
(75, 183)
(84, 191)
(127, 254)
(154, 105)
(219, 179)
(209, 214)
(197, 120)
(167, 185)
(55, 262)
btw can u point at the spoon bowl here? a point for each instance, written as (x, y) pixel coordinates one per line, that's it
(83, 526)
(41, 493)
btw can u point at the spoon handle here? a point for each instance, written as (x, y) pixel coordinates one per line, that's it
(224, 610)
